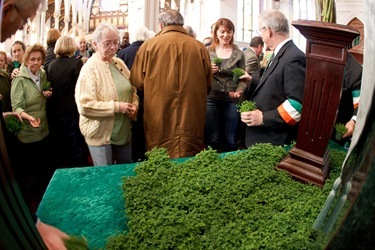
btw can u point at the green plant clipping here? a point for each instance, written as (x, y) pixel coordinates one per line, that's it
(46, 86)
(13, 124)
(217, 61)
(247, 105)
(238, 72)
(76, 243)
(340, 128)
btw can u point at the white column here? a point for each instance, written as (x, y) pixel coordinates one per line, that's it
(74, 17)
(56, 14)
(66, 16)
(80, 16)
(151, 12)
(86, 16)
(43, 22)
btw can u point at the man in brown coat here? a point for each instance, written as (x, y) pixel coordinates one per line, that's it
(174, 72)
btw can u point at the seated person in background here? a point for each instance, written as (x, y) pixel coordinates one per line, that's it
(347, 112)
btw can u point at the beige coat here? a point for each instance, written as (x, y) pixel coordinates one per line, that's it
(96, 97)
(174, 72)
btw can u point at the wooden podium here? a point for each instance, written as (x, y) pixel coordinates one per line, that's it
(326, 55)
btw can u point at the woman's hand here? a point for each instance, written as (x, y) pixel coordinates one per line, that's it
(246, 78)
(34, 122)
(128, 109)
(133, 111)
(47, 93)
(5, 114)
(215, 68)
(15, 72)
(52, 236)
(236, 94)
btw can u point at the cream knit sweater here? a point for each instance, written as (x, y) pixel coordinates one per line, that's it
(96, 97)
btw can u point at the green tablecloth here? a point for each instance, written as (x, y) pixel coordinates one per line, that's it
(87, 202)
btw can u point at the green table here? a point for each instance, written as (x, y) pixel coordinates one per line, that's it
(87, 202)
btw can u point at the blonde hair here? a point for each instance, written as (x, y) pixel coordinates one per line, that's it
(65, 46)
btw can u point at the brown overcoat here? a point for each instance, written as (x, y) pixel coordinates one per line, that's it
(174, 72)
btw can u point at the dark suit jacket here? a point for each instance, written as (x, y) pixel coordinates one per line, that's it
(352, 82)
(128, 54)
(284, 79)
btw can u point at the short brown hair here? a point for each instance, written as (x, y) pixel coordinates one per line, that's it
(256, 41)
(52, 36)
(34, 48)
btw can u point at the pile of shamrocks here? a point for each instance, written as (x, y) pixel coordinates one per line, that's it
(213, 201)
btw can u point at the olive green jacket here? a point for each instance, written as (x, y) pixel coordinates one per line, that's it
(5, 90)
(223, 80)
(27, 97)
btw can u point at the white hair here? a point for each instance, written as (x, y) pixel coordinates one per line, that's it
(102, 28)
(139, 34)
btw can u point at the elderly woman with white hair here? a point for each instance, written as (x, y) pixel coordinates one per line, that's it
(106, 100)
(127, 54)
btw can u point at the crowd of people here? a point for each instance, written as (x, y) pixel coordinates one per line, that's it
(160, 90)
(164, 89)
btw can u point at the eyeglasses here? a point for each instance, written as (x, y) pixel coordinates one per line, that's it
(261, 29)
(108, 44)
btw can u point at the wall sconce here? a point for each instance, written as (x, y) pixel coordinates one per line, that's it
(276, 4)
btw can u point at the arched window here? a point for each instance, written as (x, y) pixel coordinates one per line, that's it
(302, 9)
(247, 22)
(248, 12)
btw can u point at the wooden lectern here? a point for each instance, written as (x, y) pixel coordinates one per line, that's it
(326, 55)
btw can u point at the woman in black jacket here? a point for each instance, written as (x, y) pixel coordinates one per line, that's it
(62, 113)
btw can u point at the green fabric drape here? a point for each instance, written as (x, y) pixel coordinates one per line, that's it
(326, 11)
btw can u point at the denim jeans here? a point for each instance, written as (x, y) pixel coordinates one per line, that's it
(111, 154)
(222, 120)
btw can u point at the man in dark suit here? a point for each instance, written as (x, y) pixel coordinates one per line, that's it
(350, 95)
(278, 94)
